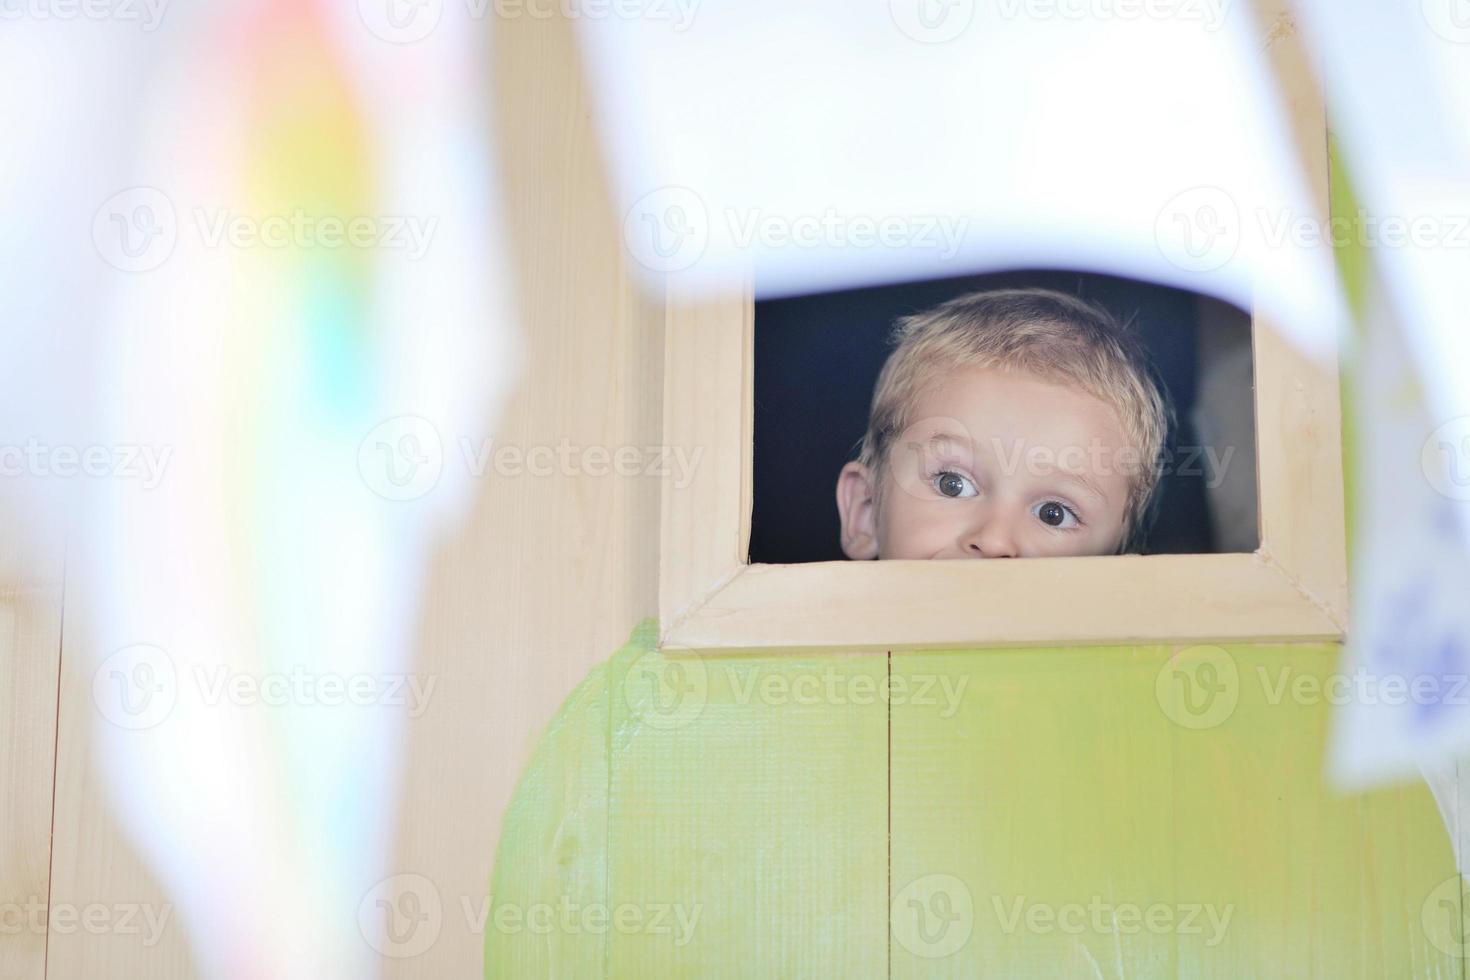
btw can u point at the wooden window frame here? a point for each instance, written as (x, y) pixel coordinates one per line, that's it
(1293, 587)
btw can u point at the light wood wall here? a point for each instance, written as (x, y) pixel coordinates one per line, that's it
(550, 574)
(30, 656)
(545, 579)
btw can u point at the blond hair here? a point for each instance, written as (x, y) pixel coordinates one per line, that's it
(1038, 331)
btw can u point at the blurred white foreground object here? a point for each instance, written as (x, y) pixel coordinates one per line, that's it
(830, 144)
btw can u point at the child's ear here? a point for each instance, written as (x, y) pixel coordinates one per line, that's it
(855, 505)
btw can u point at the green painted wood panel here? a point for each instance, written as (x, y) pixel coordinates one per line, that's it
(1118, 812)
(1094, 812)
(709, 817)
(553, 845)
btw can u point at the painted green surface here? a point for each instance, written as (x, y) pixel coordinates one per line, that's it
(1114, 812)
(553, 845)
(1353, 268)
(1125, 812)
(726, 815)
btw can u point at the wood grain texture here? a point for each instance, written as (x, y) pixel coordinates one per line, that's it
(878, 605)
(702, 817)
(1107, 811)
(549, 574)
(30, 662)
(93, 862)
(1298, 401)
(708, 408)
(1124, 779)
(552, 852)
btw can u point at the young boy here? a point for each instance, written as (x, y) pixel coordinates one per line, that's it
(1014, 423)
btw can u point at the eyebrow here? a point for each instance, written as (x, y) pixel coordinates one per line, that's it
(946, 439)
(1083, 481)
(944, 435)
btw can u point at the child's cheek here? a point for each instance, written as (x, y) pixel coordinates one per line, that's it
(915, 529)
(893, 533)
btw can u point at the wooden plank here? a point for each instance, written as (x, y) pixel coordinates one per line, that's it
(1074, 795)
(94, 864)
(749, 799)
(549, 574)
(708, 408)
(1298, 401)
(1129, 598)
(694, 817)
(552, 854)
(1022, 789)
(1324, 884)
(30, 662)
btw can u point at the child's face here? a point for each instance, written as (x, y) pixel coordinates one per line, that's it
(1000, 465)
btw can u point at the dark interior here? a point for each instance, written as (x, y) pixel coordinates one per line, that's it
(817, 358)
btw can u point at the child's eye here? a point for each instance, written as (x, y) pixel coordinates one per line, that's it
(952, 484)
(1054, 513)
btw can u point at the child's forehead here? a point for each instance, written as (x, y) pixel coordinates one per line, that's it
(979, 402)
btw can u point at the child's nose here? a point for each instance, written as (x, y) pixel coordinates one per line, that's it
(993, 536)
